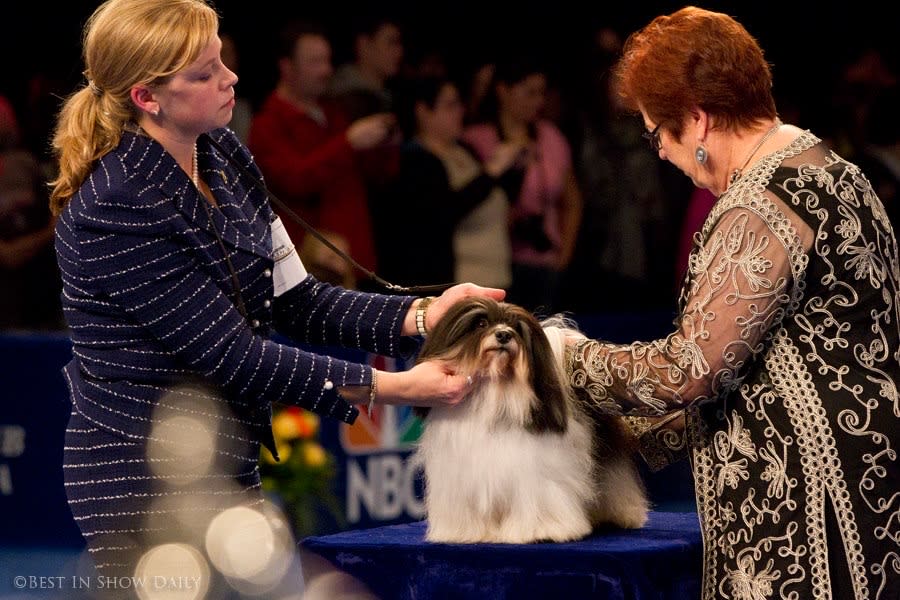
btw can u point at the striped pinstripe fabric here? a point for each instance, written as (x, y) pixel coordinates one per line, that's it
(146, 294)
(125, 502)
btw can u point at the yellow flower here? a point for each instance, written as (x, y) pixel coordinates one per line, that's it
(313, 454)
(284, 451)
(285, 426)
(311, 423)
(293, 422)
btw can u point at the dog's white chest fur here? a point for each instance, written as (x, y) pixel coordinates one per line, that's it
(489, 482)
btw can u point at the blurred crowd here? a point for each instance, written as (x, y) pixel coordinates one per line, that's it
(505, 169)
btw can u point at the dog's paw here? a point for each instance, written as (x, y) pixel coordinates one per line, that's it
(553, 530)
(633, 516)
(572, 535)
(632, 519)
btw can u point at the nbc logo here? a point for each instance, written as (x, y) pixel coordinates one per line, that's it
(387, 428)
(381, 478)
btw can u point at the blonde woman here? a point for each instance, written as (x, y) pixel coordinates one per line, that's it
(175, 271)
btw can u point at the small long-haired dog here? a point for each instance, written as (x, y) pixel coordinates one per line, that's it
(518, 461)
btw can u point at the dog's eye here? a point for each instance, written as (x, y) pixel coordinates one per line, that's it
(482, 323)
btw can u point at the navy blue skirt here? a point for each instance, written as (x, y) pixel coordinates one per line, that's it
(129, 496)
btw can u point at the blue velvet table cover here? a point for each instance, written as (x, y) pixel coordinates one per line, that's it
(660, 561)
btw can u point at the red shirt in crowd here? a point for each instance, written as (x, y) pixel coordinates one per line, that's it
(311, 167)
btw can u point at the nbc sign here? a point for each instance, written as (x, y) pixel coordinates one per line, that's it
(381, 482)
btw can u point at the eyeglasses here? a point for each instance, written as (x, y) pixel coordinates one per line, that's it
(652, 138)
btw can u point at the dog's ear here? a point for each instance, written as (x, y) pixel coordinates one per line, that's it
(551, 412)
(456, 323)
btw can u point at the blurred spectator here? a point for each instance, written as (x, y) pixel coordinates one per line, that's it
(310, 153)
(446, 218)
(478, 91)
(544, 195)
(29, 278)
(625, 223)
(361, 85)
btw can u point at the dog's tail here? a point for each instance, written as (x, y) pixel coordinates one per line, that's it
(558, 330)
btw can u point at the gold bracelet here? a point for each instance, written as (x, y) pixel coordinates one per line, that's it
(421, 310)
(373, 389)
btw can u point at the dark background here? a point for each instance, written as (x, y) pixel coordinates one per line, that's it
(808, 43)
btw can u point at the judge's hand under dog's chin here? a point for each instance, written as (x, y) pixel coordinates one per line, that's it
(430, 383)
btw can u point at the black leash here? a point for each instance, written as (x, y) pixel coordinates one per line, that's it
(235, 282)
(420, 290)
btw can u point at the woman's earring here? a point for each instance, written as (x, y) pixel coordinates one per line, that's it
(701, 155)
(155, 112)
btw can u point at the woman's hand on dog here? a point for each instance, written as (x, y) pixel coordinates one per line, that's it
(430, 383)
(440, 305)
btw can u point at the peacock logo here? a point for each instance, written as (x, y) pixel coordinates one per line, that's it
(387, 428)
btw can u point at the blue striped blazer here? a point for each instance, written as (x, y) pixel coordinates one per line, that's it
(147, 296)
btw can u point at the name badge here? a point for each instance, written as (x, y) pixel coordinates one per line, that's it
(289, 269)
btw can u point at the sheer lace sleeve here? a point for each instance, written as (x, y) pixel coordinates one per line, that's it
(661, 441)
(738, 288)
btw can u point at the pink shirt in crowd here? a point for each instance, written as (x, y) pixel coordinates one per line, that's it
(542, 187)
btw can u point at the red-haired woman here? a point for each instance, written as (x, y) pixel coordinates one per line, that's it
(784, 360)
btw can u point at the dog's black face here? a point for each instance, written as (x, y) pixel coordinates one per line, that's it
(498, 343)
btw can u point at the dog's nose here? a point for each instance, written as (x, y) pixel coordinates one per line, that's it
(503, 336)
